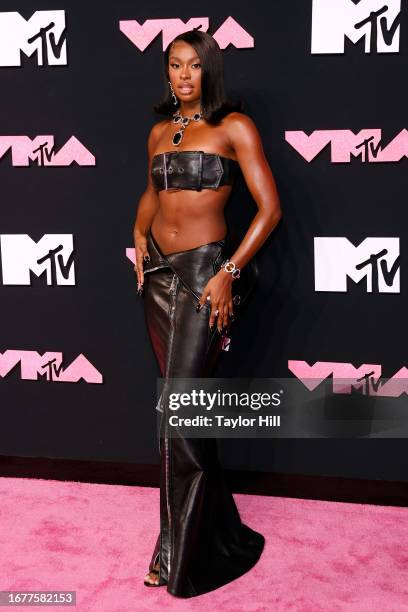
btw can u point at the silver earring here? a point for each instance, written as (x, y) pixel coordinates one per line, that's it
(173, 95)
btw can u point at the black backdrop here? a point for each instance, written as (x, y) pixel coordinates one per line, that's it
(103, 96)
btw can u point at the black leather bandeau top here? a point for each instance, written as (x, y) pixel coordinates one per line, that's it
(192, 170)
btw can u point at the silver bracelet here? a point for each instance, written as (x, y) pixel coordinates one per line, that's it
(229, 266)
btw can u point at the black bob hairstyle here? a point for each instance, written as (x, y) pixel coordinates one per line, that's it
(215, 104)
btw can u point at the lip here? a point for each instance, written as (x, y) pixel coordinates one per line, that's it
(186, 88)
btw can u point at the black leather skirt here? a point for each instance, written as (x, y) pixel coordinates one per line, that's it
(202, 543)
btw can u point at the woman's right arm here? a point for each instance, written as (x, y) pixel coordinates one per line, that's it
(146, 209)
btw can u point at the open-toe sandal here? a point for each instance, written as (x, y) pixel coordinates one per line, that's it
(152, 584)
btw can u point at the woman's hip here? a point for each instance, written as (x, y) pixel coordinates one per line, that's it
(193, 267)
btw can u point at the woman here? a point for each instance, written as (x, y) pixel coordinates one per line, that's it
(180, 239)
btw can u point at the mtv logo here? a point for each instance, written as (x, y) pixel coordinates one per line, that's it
(43, 35)
(42, 150)
(52, 255)
(49, 365)
(366, 144)
(375, 259)
(374, 20)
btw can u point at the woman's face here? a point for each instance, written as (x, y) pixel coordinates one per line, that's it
(185, 71)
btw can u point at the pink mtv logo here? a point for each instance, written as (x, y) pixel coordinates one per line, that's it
(42, 150)
(230, 32)
(33, 365)
(366, 144)
(346, 377)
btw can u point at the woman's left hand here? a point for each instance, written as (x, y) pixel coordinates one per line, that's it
(219, 290)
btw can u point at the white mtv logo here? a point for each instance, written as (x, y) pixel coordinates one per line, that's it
(43, 34)
(375, 259)
(375, 20)
(52, 255)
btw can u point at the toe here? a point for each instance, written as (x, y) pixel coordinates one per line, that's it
(152, 578)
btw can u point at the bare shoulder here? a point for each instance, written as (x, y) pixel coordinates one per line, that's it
(236, 120)
(158, 128)
(155, 133)
(241, 130)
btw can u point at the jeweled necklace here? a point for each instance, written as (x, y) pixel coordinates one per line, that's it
(184, 121)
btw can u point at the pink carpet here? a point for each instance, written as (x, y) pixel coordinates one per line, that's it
(98, 539)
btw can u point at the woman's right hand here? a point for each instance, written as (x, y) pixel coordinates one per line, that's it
(142, 254)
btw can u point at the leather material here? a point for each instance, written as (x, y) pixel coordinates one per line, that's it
(195, 170)
(189, 274)
(194, 271)
(202, 543)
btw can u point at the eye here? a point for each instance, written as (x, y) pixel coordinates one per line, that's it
(197, 64)
(173, 64)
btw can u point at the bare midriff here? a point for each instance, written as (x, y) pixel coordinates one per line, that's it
(187, 218)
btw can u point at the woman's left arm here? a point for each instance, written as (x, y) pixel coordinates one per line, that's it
(246, 142)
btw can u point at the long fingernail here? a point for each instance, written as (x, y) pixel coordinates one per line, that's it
(198, 307)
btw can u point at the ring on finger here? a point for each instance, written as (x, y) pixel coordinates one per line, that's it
(208, 298)
(217, 312)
